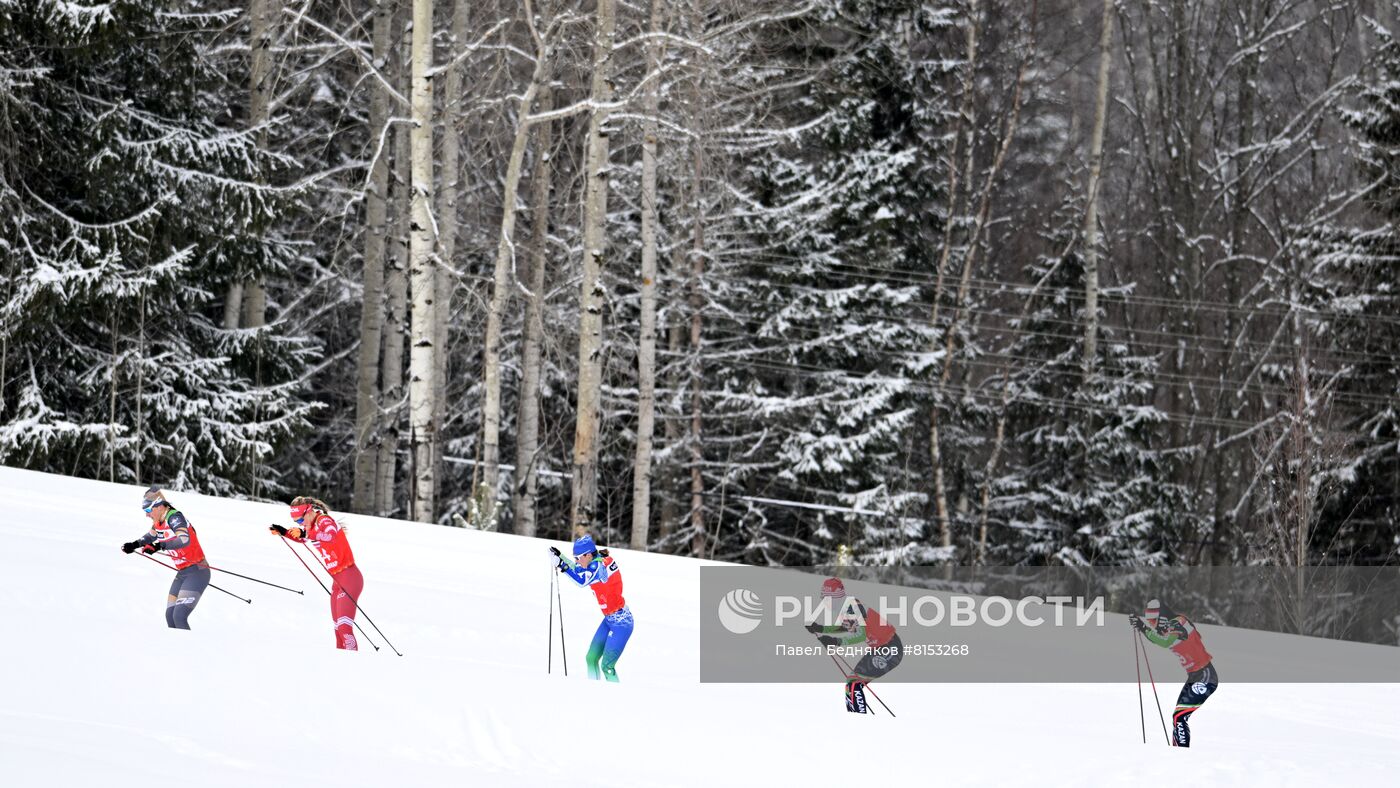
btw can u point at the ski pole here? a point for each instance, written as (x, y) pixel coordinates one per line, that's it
(549, 665)
(211, 585)
(328, 593)
(1160, 718)
(356, 602)
(563, 645)
(255, 580)
(1137, 663)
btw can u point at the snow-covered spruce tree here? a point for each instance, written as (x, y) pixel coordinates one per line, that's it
(821, 336)
(1355, 284)
(1082, 481)
(120, 216)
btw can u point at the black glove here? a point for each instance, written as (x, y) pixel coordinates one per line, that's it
(814, 627)
(556, 552)
(828, 640)
(1137, 623)
(148, 549)
(277, 529)
(130, 547)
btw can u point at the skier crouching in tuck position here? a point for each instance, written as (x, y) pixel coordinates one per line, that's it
(594, 568)
(1176, 632)
(171, 532)
(856, 626)
(316, 527)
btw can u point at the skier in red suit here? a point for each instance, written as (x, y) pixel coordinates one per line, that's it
(315, 526)
(1176, 632)
(858, 626)
(172, 533)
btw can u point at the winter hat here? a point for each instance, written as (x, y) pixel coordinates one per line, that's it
(584, 544)
(1153, 612)
(834, 588)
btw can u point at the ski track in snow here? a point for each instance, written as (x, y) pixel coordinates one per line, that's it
(97, 691)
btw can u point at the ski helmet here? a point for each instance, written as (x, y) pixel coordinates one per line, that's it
(834, 588)
(584, 544)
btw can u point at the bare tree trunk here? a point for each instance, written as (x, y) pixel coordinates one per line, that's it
(140, 381)
(697, 305)
(646, 352)
(396, 306)
(447, 219)
(501, 284)
(979, 226)
(422, 269)
(255, 304)
(595, 213)
(1091, 214)
(367, 402)
(526, 488)
(967, 122)
(671, 427)
(233, 305)
(262, 17)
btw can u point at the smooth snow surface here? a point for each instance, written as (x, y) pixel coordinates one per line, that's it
(98, 692)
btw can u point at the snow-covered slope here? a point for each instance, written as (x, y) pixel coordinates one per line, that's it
(95, 691)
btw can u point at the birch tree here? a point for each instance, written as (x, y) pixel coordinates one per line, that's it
(583, 500)
(646, 352)
(367, 394)
(396, 287)
(1091, 214)
(446, 215)
(422, 270)
(525, 491)
(506, 264)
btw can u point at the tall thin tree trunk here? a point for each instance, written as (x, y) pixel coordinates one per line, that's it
(422, 269)
(111, 398)
(367, 402)
(697, 306)
(506, 262)
(396, 305)
(646, 352)
(979, 226)
(584, 496)
(671, 427)
(967, 123)
(447, 219)
(262, 16)
(526, 488)
(1091, 214)
(696, 286)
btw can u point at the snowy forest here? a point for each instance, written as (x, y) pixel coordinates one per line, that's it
(967, 281)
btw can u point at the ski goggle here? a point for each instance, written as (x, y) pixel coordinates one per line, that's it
(147, 506)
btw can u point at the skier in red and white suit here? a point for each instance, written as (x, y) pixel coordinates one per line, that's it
(317, 528)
